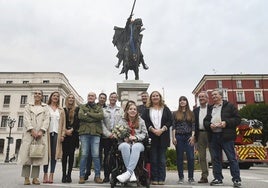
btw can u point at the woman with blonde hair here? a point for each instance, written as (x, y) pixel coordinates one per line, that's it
(71, 140)
(36, 123)
(158, 119)
(56, 134)
(183, 132)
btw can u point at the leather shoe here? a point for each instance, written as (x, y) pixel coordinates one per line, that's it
(203, 180)
(27, 181)
(81, 180)
(106, 180)
(36, 181)
(87, 175)
(98, 180)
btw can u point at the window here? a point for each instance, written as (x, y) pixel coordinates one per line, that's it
(238, 84)
(257, 83)
(45, 99)
(4, 121)
(25, 82)
(23, 99)
(219, 83)
(225, 94)
(45, 81)
(2, 143)
(20, 122)
(6, 100)
(9, 82)
(258, 96)
(17, 147)
(240, 96)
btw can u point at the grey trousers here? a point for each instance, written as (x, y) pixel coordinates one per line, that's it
(26, 171)
(202, 146)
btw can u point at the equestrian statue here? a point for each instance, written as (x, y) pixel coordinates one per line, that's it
(128, 43)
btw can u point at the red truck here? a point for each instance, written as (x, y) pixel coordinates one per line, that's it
(248, 145)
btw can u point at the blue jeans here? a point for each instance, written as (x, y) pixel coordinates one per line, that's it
(89, 143)
(217, 145)
(53, 145)
(131, 154)
(181, 147)
(158, 163)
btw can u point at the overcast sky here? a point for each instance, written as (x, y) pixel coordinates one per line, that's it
(183, 40)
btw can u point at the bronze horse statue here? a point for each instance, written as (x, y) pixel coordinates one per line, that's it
(128, 41)
(131, 62)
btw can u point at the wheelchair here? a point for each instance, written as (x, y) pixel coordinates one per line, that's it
(117, 166)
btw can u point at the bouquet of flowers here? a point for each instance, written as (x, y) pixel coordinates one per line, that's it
(121, 132)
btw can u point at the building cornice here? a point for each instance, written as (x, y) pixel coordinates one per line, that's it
(207, 77)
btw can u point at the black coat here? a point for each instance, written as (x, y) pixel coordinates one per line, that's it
(164, 139)
(229, 114)
(74, 138)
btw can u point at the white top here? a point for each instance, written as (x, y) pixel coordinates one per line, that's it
(54, 120)
(202, 115)
(216, 117)
(156, 116)
(112, 116)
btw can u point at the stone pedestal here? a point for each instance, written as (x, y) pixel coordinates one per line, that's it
(131, 90)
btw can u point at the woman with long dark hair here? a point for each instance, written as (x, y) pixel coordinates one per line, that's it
(183, 132)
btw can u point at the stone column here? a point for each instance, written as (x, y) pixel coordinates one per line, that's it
(131, 90)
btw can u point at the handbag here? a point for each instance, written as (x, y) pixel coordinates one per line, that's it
(37, 150)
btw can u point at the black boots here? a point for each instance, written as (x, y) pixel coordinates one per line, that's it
(63, 180)
(66, 178)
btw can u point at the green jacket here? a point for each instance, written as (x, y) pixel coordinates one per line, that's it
(90, 119)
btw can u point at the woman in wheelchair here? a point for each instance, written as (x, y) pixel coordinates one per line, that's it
(131, 146)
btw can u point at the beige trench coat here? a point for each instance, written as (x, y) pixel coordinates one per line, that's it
(61, 133)
(35, 117)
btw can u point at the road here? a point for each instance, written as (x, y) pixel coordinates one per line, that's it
(254, 177)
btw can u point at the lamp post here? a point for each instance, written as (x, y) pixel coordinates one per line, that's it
(10, 123)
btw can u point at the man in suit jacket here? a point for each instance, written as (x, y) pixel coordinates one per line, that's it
(201, 134)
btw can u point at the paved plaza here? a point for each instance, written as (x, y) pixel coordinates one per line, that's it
(10, 178)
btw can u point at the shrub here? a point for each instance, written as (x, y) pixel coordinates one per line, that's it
(172, 160)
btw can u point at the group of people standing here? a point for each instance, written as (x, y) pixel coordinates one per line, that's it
(61, 129)
(54, 127)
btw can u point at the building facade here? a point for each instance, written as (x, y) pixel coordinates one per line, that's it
(239, 89)
(16, 90)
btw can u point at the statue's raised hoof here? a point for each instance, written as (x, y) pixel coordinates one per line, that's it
(122, 71)
(146, 67)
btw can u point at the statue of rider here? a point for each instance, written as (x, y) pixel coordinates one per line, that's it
(132, 37)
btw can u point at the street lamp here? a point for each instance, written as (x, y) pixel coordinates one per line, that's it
(10, 123)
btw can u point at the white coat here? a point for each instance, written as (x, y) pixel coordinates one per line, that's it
(35, 117)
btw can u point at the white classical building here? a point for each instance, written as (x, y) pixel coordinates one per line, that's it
(16, 90)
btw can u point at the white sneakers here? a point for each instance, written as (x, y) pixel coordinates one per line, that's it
(133, 177)
(126, 176)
